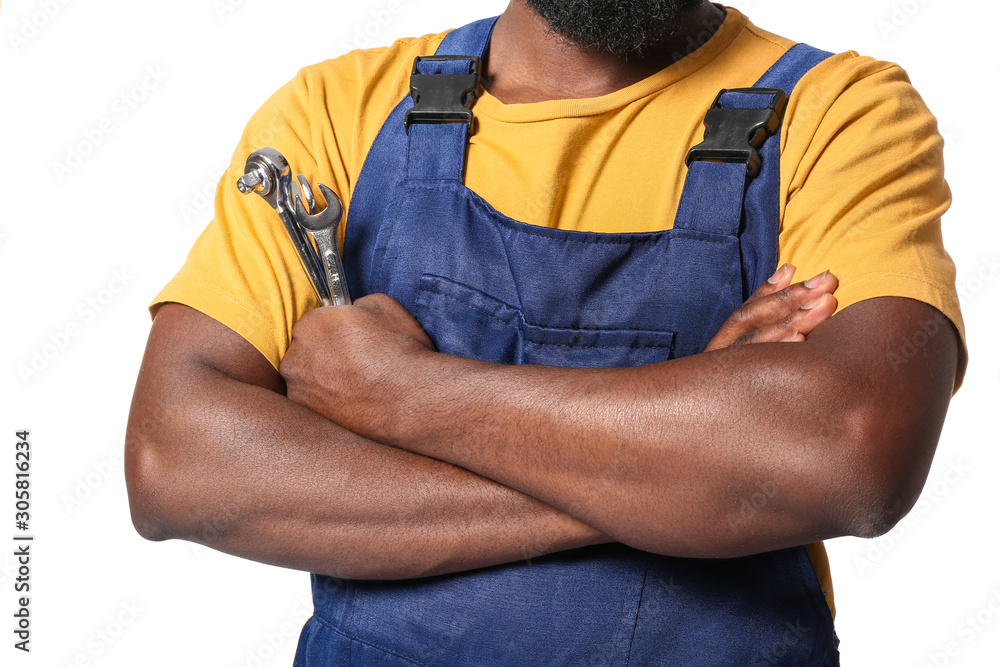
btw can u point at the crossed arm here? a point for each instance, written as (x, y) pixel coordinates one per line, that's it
(389, 460)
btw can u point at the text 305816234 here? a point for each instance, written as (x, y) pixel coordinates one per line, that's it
(22, 541)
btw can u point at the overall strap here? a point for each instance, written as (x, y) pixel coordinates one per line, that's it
(791, 67)
(389, 161)
(444, 88)
(470, 40)
(734, 178)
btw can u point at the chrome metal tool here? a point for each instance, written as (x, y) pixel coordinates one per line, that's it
(323, 227)
(268, 174)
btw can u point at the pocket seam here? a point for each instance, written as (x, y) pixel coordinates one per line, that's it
(432, 292)
(604, 347)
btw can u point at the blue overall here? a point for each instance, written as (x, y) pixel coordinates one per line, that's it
(488, 287)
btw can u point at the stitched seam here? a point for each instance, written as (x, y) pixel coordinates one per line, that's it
(224, 294)
(638, 610)
(601, 347)
(465, 303)
(820, 607)
(346, 635)
(508, 257)
(604, 238)
(688, 73)
(655, 332)
(753, 31)
(607, 241)
(532, 342)
(879, 274)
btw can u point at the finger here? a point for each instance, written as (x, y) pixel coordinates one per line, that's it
(384, 309)
(312, 321)
(824, 282)
(816, 313)
(395, 316)
(785, 302)
(795, 327)
(378, 303)
(781, 279)
(771, 308)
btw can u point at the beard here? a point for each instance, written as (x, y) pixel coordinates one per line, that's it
(621, 27)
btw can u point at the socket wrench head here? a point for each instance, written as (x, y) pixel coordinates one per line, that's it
(267, 174)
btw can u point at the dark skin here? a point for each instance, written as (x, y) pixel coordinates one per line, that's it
(657, 457)
(526, 63)
(370, 468)
(217, 454)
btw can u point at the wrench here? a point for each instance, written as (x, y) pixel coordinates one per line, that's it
(267, 173)
(322, 227)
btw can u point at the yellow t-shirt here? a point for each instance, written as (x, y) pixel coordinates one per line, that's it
(862, 188)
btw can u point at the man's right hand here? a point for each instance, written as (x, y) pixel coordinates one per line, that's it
(216, 454)
(780, 311)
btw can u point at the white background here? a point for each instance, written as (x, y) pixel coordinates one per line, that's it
(135, 203)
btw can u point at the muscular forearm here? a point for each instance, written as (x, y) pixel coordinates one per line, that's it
(242, 469)
(720, 454)
(660, 457)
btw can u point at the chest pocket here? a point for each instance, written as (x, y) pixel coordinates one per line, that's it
(467, 322)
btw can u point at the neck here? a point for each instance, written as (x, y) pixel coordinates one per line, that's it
(528, 63)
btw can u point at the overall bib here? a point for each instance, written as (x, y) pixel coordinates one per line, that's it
(488, 287)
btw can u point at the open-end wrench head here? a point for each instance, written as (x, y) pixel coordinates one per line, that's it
(327, 218)
(304, 191)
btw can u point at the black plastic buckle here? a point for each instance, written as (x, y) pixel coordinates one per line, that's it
(735, 135)
(443, 98)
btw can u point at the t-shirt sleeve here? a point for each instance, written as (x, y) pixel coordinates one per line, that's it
(863, 169)
(243, 270)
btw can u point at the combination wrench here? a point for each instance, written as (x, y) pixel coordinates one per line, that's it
(323, 227)
(268, 174)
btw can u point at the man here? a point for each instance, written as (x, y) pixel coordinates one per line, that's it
(548, 433)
